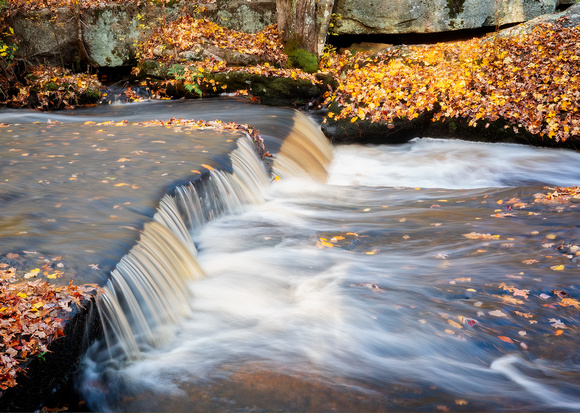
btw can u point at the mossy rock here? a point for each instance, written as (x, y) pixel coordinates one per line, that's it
(89, 97)
(364, 131)
(493, 132)
(303, 59)
(401, 130)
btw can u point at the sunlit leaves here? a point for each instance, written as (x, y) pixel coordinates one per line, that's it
(532, 88)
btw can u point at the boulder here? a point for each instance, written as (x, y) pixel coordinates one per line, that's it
(403, 16)
(106, 36)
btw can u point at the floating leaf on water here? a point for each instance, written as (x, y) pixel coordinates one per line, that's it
(569, 302)
(556, 323)
(454, 324)
(530, 261)
(498, 313)
(506, 339)
(557, 267)
(476, 235)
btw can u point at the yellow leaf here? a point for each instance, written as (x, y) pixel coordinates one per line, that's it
(21, 295)
(207, 166)
(123, 184)
(353, 120)
(566, 302)
(558, 332)
(51, 276)
(557, 267)
(454, 324)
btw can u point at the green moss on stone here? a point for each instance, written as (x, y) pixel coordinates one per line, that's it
(303, 59)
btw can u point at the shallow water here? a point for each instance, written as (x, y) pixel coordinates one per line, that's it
(365, 294)
(81, 192)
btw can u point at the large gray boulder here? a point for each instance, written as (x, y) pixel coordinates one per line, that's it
(430, 16)
(107, 36)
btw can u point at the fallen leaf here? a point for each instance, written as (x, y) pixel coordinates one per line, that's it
(498, 313)
(556, 323)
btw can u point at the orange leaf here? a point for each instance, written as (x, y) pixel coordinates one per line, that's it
(506, 339)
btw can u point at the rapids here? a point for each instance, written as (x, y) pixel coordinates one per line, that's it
(357, 290)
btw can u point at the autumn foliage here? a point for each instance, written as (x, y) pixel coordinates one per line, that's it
(189, 33)
(54, 88)
(32, 315)
(531, 82)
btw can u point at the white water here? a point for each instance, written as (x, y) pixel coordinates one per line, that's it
(369, 321)
(437, 163)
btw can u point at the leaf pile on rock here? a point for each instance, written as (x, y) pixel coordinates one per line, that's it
(188, 35)
(54, 88)
(531, 81)
(32, 315)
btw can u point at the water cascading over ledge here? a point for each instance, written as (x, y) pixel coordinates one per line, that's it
(147, 294)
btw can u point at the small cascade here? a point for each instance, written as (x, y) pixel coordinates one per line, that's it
(224, 193)
(148, 294)
(305, 152)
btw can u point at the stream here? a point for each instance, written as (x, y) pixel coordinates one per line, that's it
(424, 276)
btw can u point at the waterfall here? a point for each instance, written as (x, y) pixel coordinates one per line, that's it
(305, 151)
(147, 294)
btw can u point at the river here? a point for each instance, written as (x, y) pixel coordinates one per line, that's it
(418, 277)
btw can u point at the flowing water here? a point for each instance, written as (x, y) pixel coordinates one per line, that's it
(415, 277)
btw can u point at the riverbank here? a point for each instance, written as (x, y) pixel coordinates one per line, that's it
(517, 85)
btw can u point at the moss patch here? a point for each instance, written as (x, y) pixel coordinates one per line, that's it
(303, 59)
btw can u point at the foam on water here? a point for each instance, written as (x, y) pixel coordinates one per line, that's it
(436, 163)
